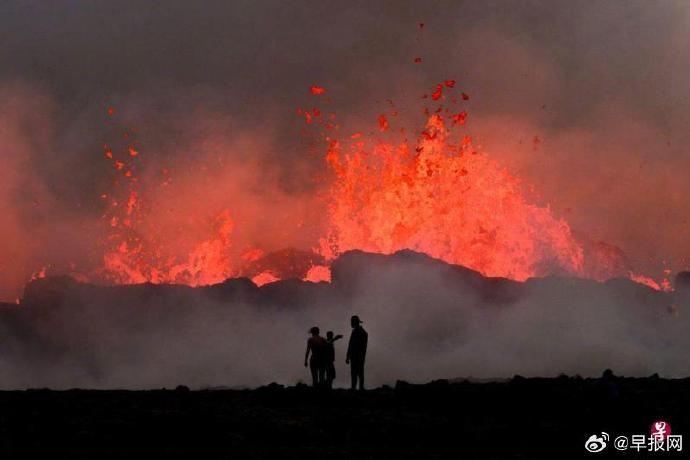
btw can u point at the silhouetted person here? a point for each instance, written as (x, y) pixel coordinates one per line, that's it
(329, 357)
(316, 345)
(356, 352)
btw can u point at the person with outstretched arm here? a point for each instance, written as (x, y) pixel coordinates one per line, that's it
(329, 357)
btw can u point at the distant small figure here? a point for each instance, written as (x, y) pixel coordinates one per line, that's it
(329, 357)
(316, 345)
(356, 352)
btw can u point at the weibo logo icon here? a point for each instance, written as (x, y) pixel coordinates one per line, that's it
(597, 443)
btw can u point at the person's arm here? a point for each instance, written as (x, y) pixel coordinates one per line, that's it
(337, 337)
(306, 355)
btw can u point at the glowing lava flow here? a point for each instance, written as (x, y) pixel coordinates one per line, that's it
(447, 200)
(442, 197)
(209, 263)
(438, 195)
(130, 258)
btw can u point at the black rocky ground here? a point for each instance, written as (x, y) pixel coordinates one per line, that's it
(520, 418)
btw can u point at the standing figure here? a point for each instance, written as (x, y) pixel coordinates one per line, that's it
(329, 357)
(316, 345)
(356, 352)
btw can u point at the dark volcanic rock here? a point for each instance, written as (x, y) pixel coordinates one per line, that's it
(523, 418)
(355, 267)
(683, 281)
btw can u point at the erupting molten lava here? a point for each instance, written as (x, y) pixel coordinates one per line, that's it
(438, 195)
(447, 200)
(130, 258)
(135, 262)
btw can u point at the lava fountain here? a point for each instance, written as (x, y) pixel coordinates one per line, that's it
(436, 193)
(442, 197)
